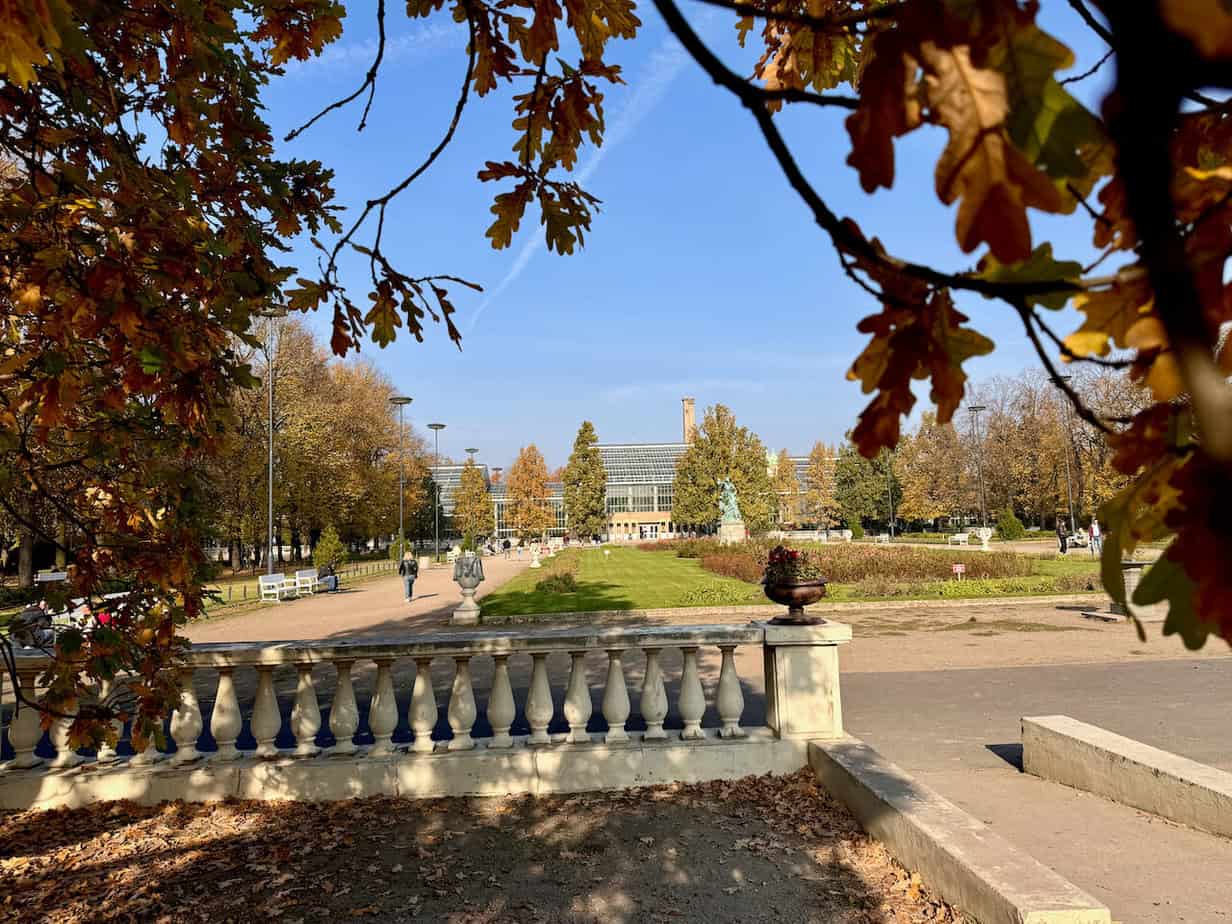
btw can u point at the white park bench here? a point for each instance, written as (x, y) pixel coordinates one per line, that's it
(959, 538)
(306, 581)
(275, 587)
(883, 538)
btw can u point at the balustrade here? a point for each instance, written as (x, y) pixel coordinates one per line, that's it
(494, 655)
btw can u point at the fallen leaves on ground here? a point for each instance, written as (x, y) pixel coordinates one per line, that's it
(756, 849)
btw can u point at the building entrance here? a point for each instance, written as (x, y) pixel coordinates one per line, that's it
(649, 531)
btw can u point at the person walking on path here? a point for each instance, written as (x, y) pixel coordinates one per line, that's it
(408, 567)
(1097, 538)
(1062, 536)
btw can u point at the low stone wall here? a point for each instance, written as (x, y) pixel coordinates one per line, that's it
(802, 698)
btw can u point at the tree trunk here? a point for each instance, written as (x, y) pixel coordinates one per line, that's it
(61, 546)
(25, 539)
(233, 552)
(297, 553)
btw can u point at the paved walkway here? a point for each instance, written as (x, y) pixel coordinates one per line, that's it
(374, 607)
(958, 732)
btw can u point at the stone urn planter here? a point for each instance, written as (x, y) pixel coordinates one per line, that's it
(468, 574)
(796, 597)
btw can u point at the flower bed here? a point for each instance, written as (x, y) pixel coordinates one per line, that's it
(850, 563)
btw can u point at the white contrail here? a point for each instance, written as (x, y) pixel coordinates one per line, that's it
(663, 67)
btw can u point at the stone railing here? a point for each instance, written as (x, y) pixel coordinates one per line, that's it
(576, 748)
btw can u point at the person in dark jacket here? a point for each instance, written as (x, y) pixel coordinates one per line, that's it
(327, 577)
(1062, 536)
(408, 567)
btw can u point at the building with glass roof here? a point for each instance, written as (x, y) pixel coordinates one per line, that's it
(639, 488)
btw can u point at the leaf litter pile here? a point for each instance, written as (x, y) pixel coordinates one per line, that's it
(757, 849)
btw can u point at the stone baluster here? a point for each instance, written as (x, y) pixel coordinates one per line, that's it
(731, 697)
(266, 719)
(144, 753)
(344, 713)
(423, 707)
(226, 721)
(577, 706)
(539, 705)
(461, 711)
(65, 755)
(692, 700)
(501, 708)
(653, 705)
(25, 729)
(107, 752)
(186, 724)
(615, 700)
(383, 710)
(305, 714)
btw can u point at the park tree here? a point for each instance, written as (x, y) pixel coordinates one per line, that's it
(473, 515)
(786, 487)
(722, 449)
(144, 213)
(932, 470)
(527, 508)
(585, 485)
(820, 501)
(862, 486)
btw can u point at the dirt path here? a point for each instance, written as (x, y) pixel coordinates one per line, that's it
(372, 607)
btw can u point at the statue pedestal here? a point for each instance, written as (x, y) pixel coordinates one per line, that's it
(732, 533)
(468, 613)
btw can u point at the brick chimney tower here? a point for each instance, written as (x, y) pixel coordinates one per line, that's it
(690, 419)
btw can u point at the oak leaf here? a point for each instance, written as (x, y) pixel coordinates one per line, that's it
(1206, 23)
(979, 165)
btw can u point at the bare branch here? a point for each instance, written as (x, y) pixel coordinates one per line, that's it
(1050, 367)
(1090, 71)
(369, 83)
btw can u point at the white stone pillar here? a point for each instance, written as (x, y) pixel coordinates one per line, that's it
(26, 728)
(461, 711)
(186, 723)
(615, 700)
(731, 697)
(539, 705)
(305, 714)
(383, 710)
(577, 707)
(266, 719)
(226, 721)
(501, 708)
(653, 705)
(107, 752)
(692, 701)
(423, 707)
(65, 755)
(344, 712)
(802, 680)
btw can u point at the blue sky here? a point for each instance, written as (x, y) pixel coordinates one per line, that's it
(703, 273)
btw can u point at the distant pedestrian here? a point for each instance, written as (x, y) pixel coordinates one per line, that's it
(507, 545)
(1097, 538)
(408, 567)
(1062, 536)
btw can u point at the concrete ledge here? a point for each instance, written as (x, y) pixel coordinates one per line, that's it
(962, 858)
(1064, 750)
(482, 771)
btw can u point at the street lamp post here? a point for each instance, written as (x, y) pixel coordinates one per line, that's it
(271, 314)
(974, 411)
(401, 401)
(1069, 490)
(890, 492)
(436, 429)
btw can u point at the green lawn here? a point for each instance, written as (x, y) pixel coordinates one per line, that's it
(628, 579)
(625, 579)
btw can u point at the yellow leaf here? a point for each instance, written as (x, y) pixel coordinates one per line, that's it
(979, 165)
(1206, 23)
(1110, 315)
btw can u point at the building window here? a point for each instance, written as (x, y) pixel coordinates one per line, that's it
(618, 499)
(643, 498)
(665, 498)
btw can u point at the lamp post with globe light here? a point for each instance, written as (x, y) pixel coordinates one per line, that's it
(271, 314)
(436, 429)
(401, 401)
